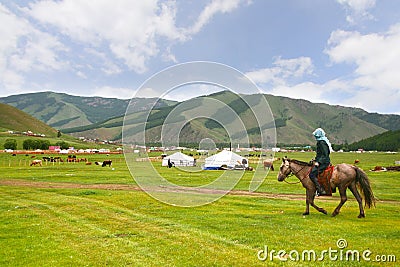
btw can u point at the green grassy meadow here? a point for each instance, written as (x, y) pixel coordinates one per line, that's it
(85, 215)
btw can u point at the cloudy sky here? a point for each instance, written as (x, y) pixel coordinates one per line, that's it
(344, 52)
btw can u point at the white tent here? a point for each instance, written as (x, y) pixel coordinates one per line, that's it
(225, 159)
(179, 159)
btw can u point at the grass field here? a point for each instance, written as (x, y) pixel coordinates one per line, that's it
(77, 215)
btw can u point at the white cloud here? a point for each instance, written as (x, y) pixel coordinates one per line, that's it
(373, 85)
(85, 37)
(81, 74)
(111, 92)
(129, 28)
(213, 8)
(12, 81)
(283, 70)
(357, 9)
(108, 66)
(147, 92)
(40, 52)
(24, 49)
(376, 58)
(314, 92)
(307, 90)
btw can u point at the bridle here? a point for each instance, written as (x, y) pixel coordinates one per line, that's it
(291, 173)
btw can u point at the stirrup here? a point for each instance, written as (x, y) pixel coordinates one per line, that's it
(321, 193)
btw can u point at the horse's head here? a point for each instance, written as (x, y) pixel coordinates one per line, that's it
(284, 170)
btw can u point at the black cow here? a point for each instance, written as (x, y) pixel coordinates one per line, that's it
(106, 162)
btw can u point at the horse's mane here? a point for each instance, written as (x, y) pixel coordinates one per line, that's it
(302, 163)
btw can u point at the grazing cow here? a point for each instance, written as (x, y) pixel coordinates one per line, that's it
(58, 159)
(89, 163)
(36, 162)
(71, 158)
(269, 163)
(106, 162)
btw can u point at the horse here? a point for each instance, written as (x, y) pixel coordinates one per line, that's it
(343, 176)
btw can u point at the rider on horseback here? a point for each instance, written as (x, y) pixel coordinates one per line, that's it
(322, 160)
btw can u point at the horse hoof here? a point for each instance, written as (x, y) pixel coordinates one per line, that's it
(325, 212)
(306, 213)
(334, 214)
(361, 216)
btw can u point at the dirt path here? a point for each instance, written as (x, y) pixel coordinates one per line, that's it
(60, 185)
(39, 184)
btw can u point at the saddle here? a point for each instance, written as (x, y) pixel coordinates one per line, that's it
(324, 179)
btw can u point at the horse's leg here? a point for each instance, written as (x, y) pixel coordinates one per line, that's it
(311, 194)
(316, 207)
(343, 199)
(353, 189)
(308, 197)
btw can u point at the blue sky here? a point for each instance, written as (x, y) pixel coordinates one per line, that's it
(342, 52)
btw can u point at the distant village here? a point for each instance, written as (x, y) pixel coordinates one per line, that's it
(27, 133)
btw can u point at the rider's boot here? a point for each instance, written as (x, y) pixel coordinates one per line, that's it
(320, 189)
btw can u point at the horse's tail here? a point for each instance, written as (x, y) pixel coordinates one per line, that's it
(365, 187)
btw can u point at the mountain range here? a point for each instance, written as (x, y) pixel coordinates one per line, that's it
(61, 111)
(294, 119)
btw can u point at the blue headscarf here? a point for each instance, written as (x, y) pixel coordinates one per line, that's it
(319, 135)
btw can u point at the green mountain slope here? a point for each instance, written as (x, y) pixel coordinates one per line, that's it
(65, 111)
(294, 120)
(13, 119)
(302, 117)
(387, 141)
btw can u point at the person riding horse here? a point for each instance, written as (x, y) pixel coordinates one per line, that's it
(322, 159)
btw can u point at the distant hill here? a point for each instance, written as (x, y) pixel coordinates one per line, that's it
(295, 120)
(342, 124)
(65, 111)
(387, 141)
(13, 119)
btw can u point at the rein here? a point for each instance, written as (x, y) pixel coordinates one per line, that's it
(291, 174)
(295, 174)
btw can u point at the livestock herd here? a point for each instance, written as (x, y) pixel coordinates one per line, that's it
(69, 159)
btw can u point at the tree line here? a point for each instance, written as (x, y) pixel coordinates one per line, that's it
(387, 141)
(32, 144)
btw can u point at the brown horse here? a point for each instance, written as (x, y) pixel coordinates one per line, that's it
(343, 176)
